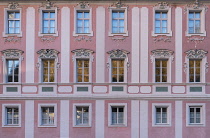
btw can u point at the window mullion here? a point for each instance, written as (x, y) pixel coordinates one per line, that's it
(82, 114)
(48, 71)
(83, 70)
(161, 75)
(117, 114)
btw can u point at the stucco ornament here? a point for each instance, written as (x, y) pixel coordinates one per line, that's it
(12, 53)
(13, 5)
(118, 5)
(162, 5)
(83, 5)
(195, 5)
(162, 38)
(196, 53)
(48, 39)
(12, 39)
(161, 53)
(83, 38)
(48, 5)
(196, 39)
(82, 53)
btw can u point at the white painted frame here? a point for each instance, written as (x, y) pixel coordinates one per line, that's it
(202, 29)
(82, 92)
(110, 105)
(47, 93)
(161, 93)
(169, 114)
(196, 85)
(125, 9)
(4, 106)
(89, 105)
(44, 9)
(86, 9)
(40, 114)
(203, 114)
(5, 33)
(12, 93)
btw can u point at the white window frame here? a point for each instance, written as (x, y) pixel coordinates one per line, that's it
(40, 114)
(4, 106)
(11, 54)
(110, 105)
(85, 54)
(48, 74)
(83, 68)
(41, 11)
(162, 7)
(169, 114)
(125, 9)
(161, 67)
(196, 7)
(6, 26)
(162, 54)
(50, 54)
(89, 114)
(196, 54)
(84, 7)
(202, 114)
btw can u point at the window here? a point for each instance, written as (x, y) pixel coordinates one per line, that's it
(82, 114)
(48, 25)
(195, 114)
(82, 70)
(12, 70)
(48, 70)
(47, 115)
(161, 20)
(117, 70)
(194, 22)
(83, 22)
(117, 114)
(194, 70)
(161, 70)
(161, 114)
(11, 116)
(118, 21)
(13, 22)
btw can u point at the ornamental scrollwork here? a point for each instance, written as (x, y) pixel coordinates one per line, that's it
(12, 39)
(82, 53)
(195, 5)
(48, 5)
(79, 39)
(47, 39)
(162, 38)
(118, 5)
(162, 5)
(83, 5)
(12, 53)
(118, 53)
(161, 53)
(196, 53)
(206, 67)
(13, 5)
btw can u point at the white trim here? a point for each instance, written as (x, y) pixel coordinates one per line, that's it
(144, 128)
(89, 105)
(110, 105)
(99, 119)
(47, 93)
(169, 114)
(39, 114)
(4, 106)
(64, 118)
(202, 16)
(178, 119)
(196, 85)
(12, 93)
(125, 9)
(135, 120)
(202, 113)
(44, 9)
(29, 119)
(90, 21)
(5, 33)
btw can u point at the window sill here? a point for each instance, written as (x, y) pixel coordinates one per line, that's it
(118, 34)
(196, 125)
(118, 125)
(195, 34)
(48, 34)
(82, 126)
(11, 35)
(11, 126)
(162, 125)
(83, 34)
(162, 34)
(47, 126)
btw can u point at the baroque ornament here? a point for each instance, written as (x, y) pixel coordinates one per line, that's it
(196, 39)
(196, 53)
(82, 53)
(118, 5)
(12, 53)
(195, 5)
(118, 53)
(118, 39)
(47, 39)
(48, 53)
(83, 5)
(12, 39)
(13, 5)
(162, 5)
(162, 38)
(161, 53)
(79, 39)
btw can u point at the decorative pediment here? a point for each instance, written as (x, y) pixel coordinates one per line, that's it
(118, 53)
(196, 5)
(48, 53)
(161, 53)
(82, 52)
(196, 53)
(83, 5)
(48, 4)
(118, 5)
(13, 5)
(12, 53)
(162, 5)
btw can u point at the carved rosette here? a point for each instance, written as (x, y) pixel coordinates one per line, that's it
(162, 5)
(82, 53)
(12, 53)
(196, 53)
(196, 5)
(161, 53)
(13, 5)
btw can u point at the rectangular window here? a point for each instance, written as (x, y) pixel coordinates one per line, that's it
(13, 22)
(194, 70)
(47, 115)
(194, 23)
(48, 70)
(82, 70)
(48, 22)
(82, 115)
(83, 22)
(118, 21)
(161, 70)
(12, 70)
(161, 21)
(117, 115)
(12, 116)
(195, 115)
(161, 115)
(117, 70)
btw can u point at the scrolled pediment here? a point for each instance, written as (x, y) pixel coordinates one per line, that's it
(196, 53)
(118, 53)
(48, 53)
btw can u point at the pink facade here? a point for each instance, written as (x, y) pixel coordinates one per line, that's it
(104, 69)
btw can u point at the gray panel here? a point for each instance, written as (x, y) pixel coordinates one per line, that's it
(195, 89)
(118, 89)
(47, 89)
(82, 89)
(161, 89)
(12, 89)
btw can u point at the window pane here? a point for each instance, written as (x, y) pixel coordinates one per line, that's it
(86, 30)
(52, 15)
(191, 15)
(157, 15)
(11, 15)
(86, 14)
(164, 15)
(121, 23)
(79, 23)
(164, 30)
(164, 23)
(52, 23)
(157, 23)
(197, 15)
(79, 15)
(86, 23)
(115, 23)
(191, 23)
(121, 30)
(52, 30)
(45, 15)
(114, 14)
(121, 14)
(114, 30)
(45, 23)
